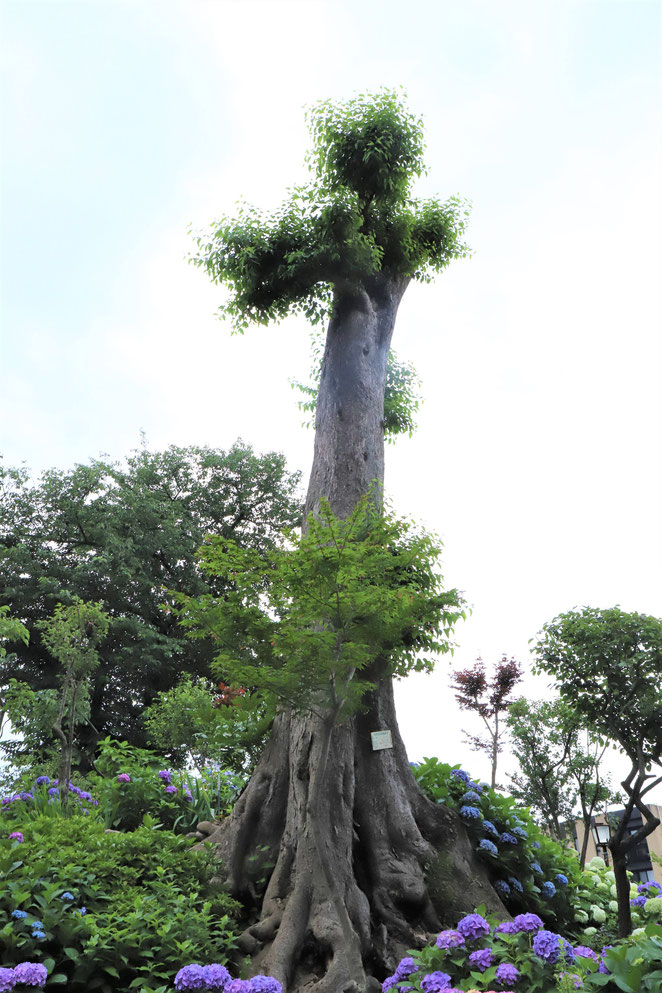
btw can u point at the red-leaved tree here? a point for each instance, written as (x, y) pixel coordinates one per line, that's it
(488, 698)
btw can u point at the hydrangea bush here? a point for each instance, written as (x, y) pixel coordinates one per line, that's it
(528, 869)
(109, 912)
(483, 954)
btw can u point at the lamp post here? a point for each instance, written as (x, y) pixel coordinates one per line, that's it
(601, 836)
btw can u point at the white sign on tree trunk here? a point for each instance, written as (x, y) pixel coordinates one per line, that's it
(381, 739)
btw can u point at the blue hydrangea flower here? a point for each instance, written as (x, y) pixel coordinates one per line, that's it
(470, 797)
(548, 890)
(30, 974)
(535, 844)
(54, 791)
(471, 813)
(639, 901)
(507, 974)
(481, 959)
(536, 867)
(527, 922)
(18, 915)
(191, 977)
(435, 982)
(561, 879)
(502, 887)
(473, 926)
(489, 828)
(7, 981)
(82, 911)
(461, 774)
(547, 946)
(67, 895)
(38, 935)
(488, 846)
(449, 939)
(520, 832)
(506, 838)
(515, 884)
(264, 984)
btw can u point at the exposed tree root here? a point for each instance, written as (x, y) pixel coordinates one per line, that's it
(339, 891)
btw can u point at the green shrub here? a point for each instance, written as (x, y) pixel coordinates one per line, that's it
(109, 911)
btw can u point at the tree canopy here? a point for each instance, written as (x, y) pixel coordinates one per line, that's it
(121, 534)
(355, 220)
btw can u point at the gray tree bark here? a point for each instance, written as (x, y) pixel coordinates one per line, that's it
(360, 865)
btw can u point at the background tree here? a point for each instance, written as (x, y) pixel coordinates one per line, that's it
(489, 700)
(346, 246)
(121, 534)
(71, 635)
(559, 765)
(608, 667)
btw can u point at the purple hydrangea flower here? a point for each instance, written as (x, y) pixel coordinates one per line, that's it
(547, 890)
(25, 796)
(507, 927)
(506, 838)
(435, 982)
(171, 789)
(507, 974)
(449, 939)
(238, 986)
(585, 953)
(7, 980)
(502, 887)
(481, 959)
(216, 976)
(488, 846)
(42, 781)
(387, 985)
(471, 813)
(561, 879)
(473, 926)
(489, 828)
(639, 901)
(16, 836)
(124, 777)
(191, 977)
(405, 968)
(54, 791)
(527, 922)
(547, 946)
(602, 967)
(30, 974)
(651, 888)
(515, 884)
(265, 984)
(84, 795)
(165, 775)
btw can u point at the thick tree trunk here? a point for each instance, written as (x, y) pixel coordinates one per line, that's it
(360, 865)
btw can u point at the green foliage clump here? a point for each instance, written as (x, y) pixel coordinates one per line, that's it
(192, 724)
(355, 221)
(117, 911)
(304, 622)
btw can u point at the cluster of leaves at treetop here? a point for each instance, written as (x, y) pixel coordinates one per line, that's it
(354, 221)
(300, 623)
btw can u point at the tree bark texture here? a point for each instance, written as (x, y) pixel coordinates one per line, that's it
(342, 862)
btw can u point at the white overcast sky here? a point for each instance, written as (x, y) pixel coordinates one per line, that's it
(538, 454)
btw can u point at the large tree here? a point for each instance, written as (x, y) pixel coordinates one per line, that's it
(608, 667)
(123, 534)
(346, 247)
